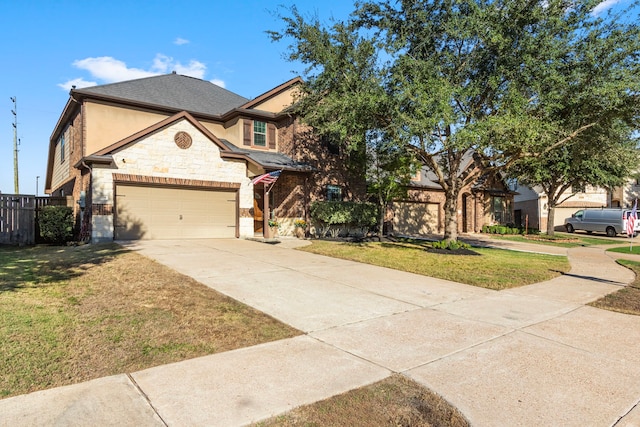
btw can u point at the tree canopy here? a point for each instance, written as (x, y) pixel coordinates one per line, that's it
(506, 81)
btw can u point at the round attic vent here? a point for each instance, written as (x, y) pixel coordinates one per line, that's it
(183, 140)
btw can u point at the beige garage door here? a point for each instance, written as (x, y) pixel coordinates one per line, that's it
(414, 219)
(173, 213)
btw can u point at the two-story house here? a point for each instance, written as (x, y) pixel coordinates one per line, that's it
(172, 156)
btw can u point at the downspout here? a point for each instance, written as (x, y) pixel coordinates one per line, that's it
(83, 207)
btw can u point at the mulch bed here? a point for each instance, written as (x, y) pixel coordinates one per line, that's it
(461, 251)
(392, 239)
(546, 239)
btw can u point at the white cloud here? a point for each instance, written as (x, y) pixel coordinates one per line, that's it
(163, 64)
(79, 83)
(604, 6)
(180, 41)
(219, 82)
(107, 69)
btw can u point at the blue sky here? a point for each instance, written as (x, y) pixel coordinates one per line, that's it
(49, 45)
(46, 46)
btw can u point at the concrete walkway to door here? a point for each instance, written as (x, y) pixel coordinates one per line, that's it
(530, 356)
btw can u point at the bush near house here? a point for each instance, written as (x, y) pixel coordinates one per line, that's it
(56, 224)
(506, 229)
(343, 218)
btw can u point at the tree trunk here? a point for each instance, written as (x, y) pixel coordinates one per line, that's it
(451, 216)
(382, 206)
(551, 213)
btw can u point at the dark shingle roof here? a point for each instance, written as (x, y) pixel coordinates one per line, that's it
(173, 91)
(270, 160)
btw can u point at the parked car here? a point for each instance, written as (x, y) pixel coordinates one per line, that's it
(610, 221)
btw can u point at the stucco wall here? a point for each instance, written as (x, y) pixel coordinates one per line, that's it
(107, 124)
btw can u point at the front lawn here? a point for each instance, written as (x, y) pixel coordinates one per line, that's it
(71, 314)
(627, 299)
(628, 249)
(491, 268)
(394, 401)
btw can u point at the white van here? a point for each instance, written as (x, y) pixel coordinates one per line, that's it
(610, 221)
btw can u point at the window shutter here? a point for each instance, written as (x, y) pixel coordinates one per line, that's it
(271, 136)
(247, 126)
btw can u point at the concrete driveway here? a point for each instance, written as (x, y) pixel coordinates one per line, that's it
(530, 356)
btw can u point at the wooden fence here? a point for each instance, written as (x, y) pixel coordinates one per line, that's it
(19, 216)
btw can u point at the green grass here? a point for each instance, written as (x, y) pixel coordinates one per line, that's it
(490, 268)
(628, 249)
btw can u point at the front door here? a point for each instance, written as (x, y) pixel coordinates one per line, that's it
(258, 208)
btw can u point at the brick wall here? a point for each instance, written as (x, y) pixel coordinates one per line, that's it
(298, 141)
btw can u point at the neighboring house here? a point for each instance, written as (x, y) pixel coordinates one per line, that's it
(531, 204)
(625, 196)
(487, 201)
(172, 156)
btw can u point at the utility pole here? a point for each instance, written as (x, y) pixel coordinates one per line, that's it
(16, 185)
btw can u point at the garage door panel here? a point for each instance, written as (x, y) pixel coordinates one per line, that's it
(414, 219)
(173, 213)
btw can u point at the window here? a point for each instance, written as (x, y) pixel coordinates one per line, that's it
(259, 133)
(61, 140)
(334, 193)
(498, 208)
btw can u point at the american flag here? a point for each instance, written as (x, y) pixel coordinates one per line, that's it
(267, 178)
(632, 218)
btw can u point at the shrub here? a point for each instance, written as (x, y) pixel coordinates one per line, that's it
(339, 217)
(56, 224)
(503, 229)
(451, 245)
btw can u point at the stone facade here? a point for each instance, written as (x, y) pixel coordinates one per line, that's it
(158, 156)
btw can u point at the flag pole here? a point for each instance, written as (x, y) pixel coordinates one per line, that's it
(631, 224)
(274, 182)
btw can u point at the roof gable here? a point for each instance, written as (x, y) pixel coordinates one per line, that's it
(272, 93)
(173, 91)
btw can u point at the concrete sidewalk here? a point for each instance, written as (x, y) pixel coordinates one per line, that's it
(529, 356)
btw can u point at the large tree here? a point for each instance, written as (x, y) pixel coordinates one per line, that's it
(571, 168)
(503, 80)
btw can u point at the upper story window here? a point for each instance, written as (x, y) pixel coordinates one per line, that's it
(334, 193)
(62, 148)
(259, 133)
